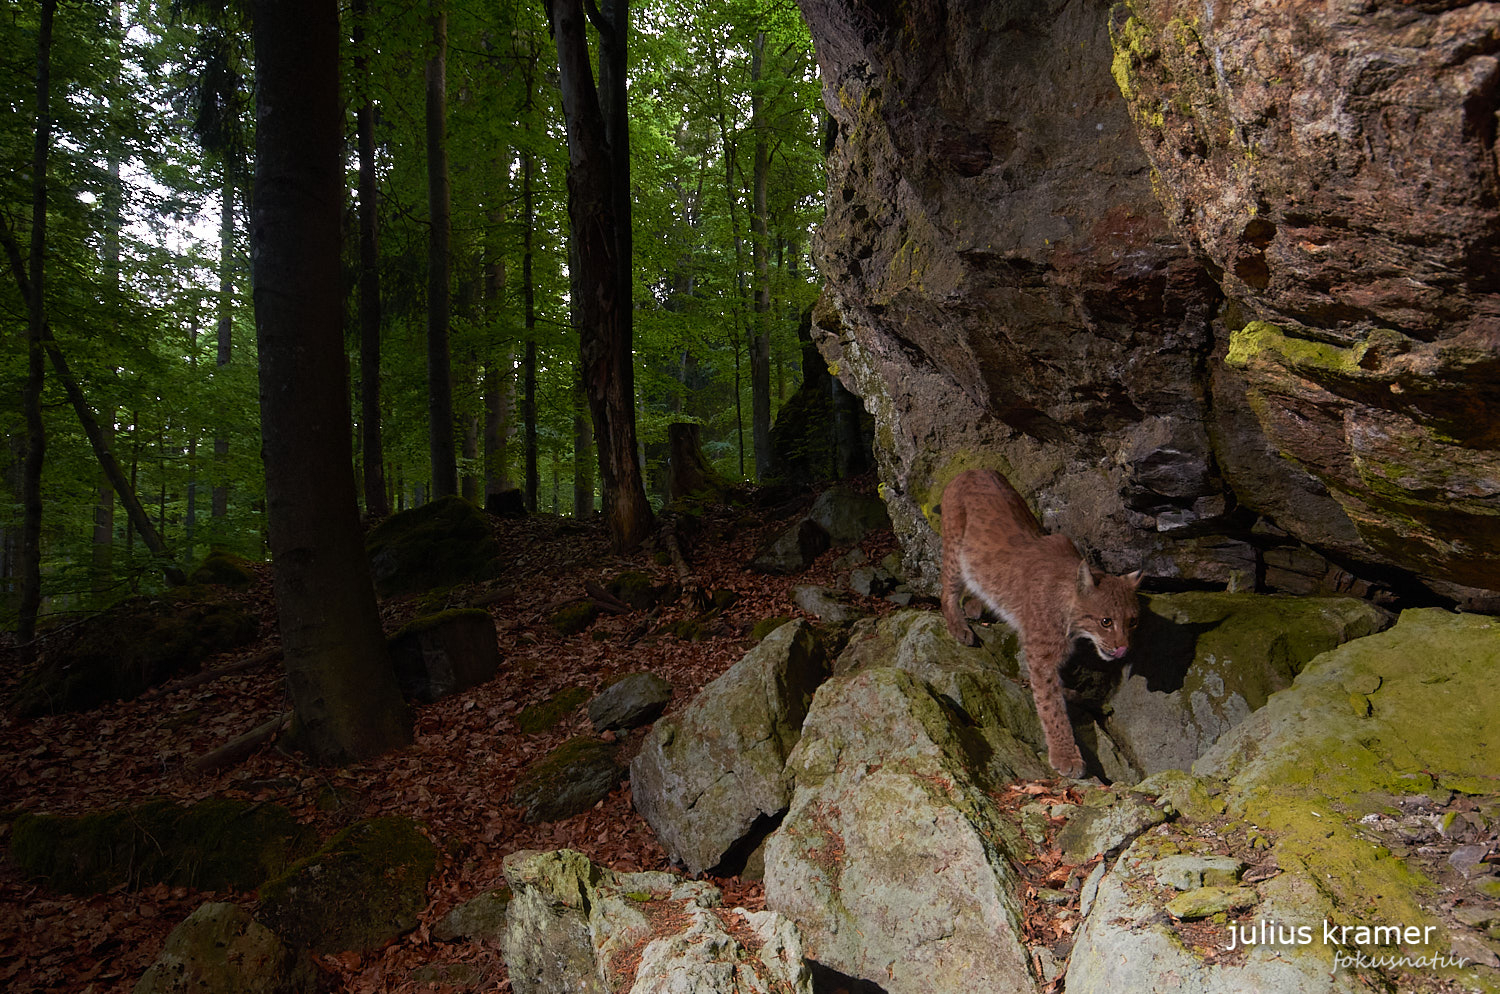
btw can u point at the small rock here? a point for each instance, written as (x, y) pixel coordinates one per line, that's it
(567, 781)
(1103, 828)
(823, 603)
(634, 700)
(1467, 859)
(1205, 901)
(1474, 949)
(481, 917)
(1090, 889)
(1190, 872)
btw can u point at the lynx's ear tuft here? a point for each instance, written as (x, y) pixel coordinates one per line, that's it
(1085, 577)
(1134, 579)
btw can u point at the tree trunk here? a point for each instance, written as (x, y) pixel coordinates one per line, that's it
(31, 394)
(439, 363)
(760, 336)
(583, 451)
(220, 508)
(339, 674)
(528, 300)
(601, 306)
(372, 446)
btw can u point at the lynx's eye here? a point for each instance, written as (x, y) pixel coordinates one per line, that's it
(1106, 622)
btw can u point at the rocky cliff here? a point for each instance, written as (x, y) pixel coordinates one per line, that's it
(1214, 283)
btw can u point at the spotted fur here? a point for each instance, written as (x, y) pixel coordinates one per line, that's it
(994, 547)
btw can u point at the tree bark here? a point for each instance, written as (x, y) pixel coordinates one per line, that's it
(760, 336)
(372, 447)
(31, 394)
(339, 674)
(528, 301)
(439, 362)
(601, 306)
(583, 451)
(220, 502)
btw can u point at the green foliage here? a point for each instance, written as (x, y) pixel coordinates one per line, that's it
(154, 125)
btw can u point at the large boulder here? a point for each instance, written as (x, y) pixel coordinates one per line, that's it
(363, 888)
(439, 544)
(575, 926)
(711, 775)
(1201, 662)
(135, 645)
(441, 654)
(893, 859)
(1325, 843)
(1165, 265)
(221, 949)
(1338, 170)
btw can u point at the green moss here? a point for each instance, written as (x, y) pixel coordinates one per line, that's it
(215, 844)
(635, 588)
(545, 716)
(444, 542)
(1262, 337)
(225, 569)
(1307, 766)
(427, 622)
(364, 888)
(570, 619)
(766, 626)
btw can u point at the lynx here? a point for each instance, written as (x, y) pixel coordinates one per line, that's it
(994, 547)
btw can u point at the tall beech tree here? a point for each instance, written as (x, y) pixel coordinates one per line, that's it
(339, 673)
(601, 276)
(439, 361)
(372, 448)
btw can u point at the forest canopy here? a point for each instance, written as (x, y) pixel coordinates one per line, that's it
(146, 323)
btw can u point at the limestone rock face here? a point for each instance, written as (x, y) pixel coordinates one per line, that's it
(1298, 324)
(705, 777)
(893, 860)
(573, 926)
(220, 949)
(1336, 163)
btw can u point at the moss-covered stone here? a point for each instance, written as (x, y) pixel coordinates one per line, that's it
(364, 888)
(445, 542)
(1306, 767)
(766, 626)
(1205, 901)
(570, 619)
(215, 844)
(135, 645)
(220, 949)
(545, 716)
(444, 653)
(568, 780)
(225, 569)
(635, 588)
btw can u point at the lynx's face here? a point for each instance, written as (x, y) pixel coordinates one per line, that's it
(1106, 611)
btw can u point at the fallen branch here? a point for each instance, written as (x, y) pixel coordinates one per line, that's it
(605, 600)
(237, 750)
(209, 676)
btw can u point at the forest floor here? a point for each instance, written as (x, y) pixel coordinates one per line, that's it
(455, 779)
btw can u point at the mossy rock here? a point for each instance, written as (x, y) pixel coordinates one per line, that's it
(570, 619)
(225, 569)
(135, 645)
(439, 544)
(545, 716)
(215, 844)
(637, 589)
(568, 780)
(220, 949)
(364, 888)
(766, 626)
(444, 653)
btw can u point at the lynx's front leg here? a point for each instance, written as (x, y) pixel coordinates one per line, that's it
(1043, 661)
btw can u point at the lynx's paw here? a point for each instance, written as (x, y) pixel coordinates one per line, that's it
(962, 633)
(1069, 763)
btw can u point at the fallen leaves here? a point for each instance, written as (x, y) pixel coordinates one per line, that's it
(456, 777)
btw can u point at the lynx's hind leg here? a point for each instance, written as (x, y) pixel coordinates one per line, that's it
(954, 520)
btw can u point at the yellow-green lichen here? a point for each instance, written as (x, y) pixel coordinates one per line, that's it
(1263, 338)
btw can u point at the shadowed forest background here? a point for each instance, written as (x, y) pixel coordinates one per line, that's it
(147, 293)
